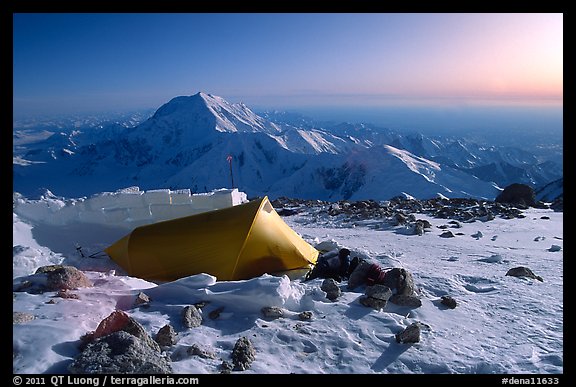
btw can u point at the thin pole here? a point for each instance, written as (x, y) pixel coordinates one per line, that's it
(229, 158)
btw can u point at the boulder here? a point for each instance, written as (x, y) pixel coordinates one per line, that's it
(166, 336)
(119, 353)
(409, 335)
(64, 277)
(191, 317)
(119, 321)
(400, 281)
(331, 288)
(517, 194)
(449, 302)
(243, 354)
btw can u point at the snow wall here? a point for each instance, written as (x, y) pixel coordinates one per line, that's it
(127, 207)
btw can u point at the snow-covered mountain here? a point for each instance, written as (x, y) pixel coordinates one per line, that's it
(187, 142)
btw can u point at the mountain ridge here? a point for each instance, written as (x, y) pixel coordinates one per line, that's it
(187, 141)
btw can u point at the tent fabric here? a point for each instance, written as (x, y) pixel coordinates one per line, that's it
(234, 243)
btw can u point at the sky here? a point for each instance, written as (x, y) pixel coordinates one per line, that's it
(66, 63)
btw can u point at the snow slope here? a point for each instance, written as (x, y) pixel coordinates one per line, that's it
(502, 324)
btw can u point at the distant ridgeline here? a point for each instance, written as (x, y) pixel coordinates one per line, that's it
(127, 207)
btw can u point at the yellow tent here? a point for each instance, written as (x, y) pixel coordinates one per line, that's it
(233, 243)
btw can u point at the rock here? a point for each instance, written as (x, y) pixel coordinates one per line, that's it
(272, 312)
(141, 299)
(449, 302)
(195, 350)
(371, 302)
(447, 234)
(119, 353)
(331, 288)
(120, 321)
(399, 219)
(65, 277)
(66, 294)
(455, 224)
(554, 248)
(409, 335)
(305, 316)
(478, 235)
(243, 354)
(400, 281)
(419, 228)
(522, 271)
(517, 194)
(166, 336)
(191, 317)
(381, 292)
(405, 300)
(215, 313)
(226, 367)
(22, 317)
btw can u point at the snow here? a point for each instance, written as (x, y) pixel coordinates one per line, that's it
(501, 325)
(128, 207)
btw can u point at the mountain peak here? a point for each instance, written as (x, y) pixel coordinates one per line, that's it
(208, 111)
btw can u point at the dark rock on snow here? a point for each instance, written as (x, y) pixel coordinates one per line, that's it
(517, 194)
(522, 271)
(166, 336)
(406, 300)
(243, 354)
(449, 302)
(331, 288)
(119, 353)
(141, 299)
(305, 316)
(191, 317)
(272, 312)
(376, 296)
(409, 335)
